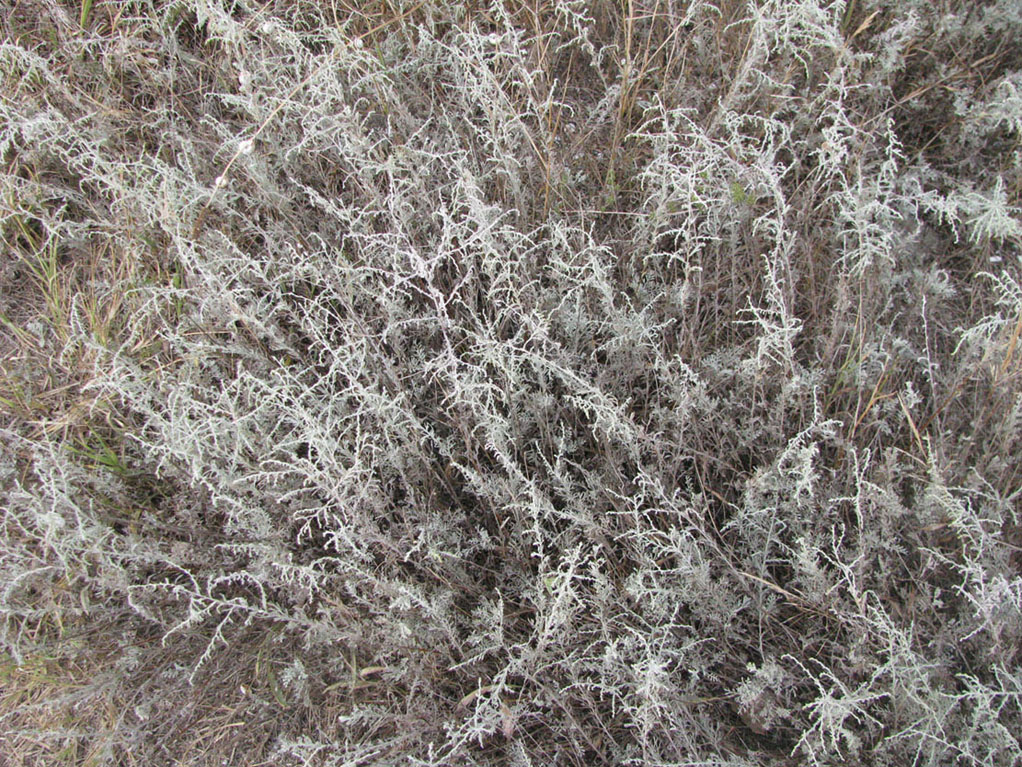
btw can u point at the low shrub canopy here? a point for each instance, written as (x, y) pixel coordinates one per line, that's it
(546, 383)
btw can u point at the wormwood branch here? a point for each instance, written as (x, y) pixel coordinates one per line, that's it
(246, 144)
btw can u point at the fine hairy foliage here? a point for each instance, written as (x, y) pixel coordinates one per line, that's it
(551, 383)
